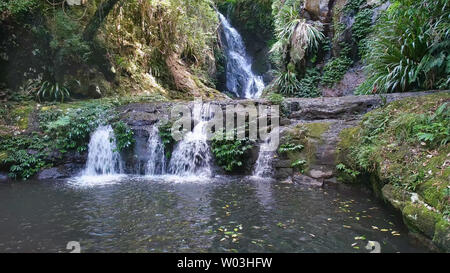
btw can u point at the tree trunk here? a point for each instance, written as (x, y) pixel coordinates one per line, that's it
(102, 12)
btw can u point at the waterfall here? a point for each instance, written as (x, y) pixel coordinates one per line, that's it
(263, 166)
(240, 79)
(103, 159)
(191, 155)
(156, 164)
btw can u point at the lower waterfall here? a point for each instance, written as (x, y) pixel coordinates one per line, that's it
(263, 165)
(103, 159)
(191, 155)
(157, 158)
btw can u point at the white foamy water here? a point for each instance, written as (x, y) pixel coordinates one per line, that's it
(191, 156)
(263, 166)
(240, 78)
(156, 164)
(104, 164)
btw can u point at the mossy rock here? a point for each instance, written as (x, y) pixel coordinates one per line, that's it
(397, 197)
(435, 193)
(316, 129)
(20, 115)
(442, 235)
(309, 135)
(420, 219)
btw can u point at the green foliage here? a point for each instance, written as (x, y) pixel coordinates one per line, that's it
(299, 164)
(165, 132)
(308, 85)
(405, 142)
(187, 27)
(276, 99)
(24, 155)
(334, 70)
(410, 48)
(287, 82)
(124, 136)
(251, 15)
(361, 29)
(290, 147)
(352, 6)
(72, 129)
(434, 129)
(52, 91)
(342, 168)
(230, 154)
(288, 24)
(17, 7)
(67, 43)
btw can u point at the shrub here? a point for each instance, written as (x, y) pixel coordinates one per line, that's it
(434, 129)
(289, 25)
(52, 91)
(299, 164)
(334, 70)
(287, 82)
(23, 156)
(72, 129)
(290, 147)
(361, 29)
(17, 7)
(230, 154)
(124, 136)
(165, 132)
(308, 85)
(410, 48)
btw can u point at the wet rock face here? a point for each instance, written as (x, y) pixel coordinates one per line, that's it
(135, 160)
(318, 9)
(61, 172)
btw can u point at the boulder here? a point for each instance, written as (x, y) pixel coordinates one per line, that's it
(317, 9)
(283, 173)
(60, 172)
(306, 180)
(318, 174)
(3, 177)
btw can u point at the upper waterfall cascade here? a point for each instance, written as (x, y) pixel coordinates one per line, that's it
(240, 79)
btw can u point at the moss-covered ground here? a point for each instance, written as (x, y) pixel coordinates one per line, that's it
(404, 149)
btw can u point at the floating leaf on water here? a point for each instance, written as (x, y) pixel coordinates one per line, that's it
(346, 226)
(384, 230)
(360, 237)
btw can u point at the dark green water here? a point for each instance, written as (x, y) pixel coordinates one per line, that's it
(217, 215)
